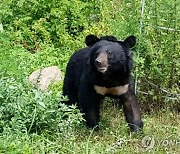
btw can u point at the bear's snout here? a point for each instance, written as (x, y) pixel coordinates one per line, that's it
(101, 62)
(98, 63)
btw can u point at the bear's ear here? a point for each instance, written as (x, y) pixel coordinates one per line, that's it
(91, 40)
(130, 41)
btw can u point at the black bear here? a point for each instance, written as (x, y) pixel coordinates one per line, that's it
(102, 69)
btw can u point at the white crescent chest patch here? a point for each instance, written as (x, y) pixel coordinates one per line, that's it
(119, 90)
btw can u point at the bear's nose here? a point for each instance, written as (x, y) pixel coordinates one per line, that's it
(98, 63)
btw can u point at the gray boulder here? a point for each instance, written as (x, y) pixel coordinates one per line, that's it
(42, 78)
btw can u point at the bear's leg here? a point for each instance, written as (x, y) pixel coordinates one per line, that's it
(132, 111)
(91, 114)
(89, 103)
(70, 91)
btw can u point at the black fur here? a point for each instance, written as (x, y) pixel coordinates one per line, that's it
(81, 76)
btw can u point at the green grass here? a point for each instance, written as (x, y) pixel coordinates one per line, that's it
(113, 136)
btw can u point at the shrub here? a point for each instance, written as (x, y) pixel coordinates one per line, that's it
(48, 22)
(26, 109)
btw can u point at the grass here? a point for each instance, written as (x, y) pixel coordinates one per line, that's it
(113, 136)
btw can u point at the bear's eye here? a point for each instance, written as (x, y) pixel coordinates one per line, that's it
(109, 52)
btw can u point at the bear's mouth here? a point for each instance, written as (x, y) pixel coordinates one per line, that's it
(102, 69)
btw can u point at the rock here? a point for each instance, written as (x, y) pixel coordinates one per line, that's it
(42, 78)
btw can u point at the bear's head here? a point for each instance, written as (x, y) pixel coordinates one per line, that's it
(110, 56)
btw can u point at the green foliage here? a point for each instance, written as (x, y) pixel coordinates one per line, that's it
(48, 22)
(29, 110)
(23, 108)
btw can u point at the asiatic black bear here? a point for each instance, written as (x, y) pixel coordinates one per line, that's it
(102, 69)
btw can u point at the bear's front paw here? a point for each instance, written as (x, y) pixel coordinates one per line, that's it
(93, 123)
(136, 126)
